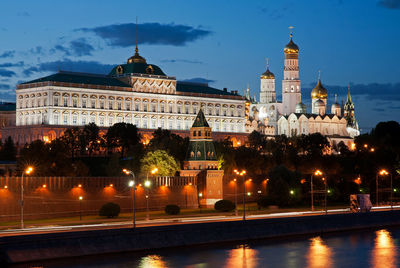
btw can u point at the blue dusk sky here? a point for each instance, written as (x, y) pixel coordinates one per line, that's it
(225, 43)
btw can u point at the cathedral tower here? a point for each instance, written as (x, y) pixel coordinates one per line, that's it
(267, 88)
(335, 108)
(349, 112)
(319, 97)
(291, 91)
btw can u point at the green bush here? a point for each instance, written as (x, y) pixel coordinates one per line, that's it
(224, 205)
(110, 210)
(172, 209)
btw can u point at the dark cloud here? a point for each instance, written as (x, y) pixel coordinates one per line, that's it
(7, 95)
(69, 65)
(182, 61)
(37, 50)
(378, 109)
(5, 86)
(7, 54)
(11, 64)
(199, 80)
(391, 4)
(124, 35)
(6, 73)
(377, 91)
(60, 48)
(80, 47)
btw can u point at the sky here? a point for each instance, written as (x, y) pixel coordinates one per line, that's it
(224, 43)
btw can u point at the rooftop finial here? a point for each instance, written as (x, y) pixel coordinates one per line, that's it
(335, 98)
(136, 50)
(319, 76)
(291, 31)
(267, 63)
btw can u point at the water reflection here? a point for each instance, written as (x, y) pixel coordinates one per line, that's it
(384, 252)
(152, 261)
(319, 254)
(243, 257)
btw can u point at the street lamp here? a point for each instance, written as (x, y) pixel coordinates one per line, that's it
(384, 172)
(147, 184)
(80, 207)
(242, 173)
(27, 171)
(132, 184)
(236, 209)
(316, 173)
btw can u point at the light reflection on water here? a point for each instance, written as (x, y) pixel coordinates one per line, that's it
(319, 254)
(384, 253)
(243, 256)
(351, 249)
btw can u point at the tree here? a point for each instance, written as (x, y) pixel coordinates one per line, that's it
(90, 140)
(173, 144)
(71, 141)
(166, 164)
(123, 137)
(256, 140)
(8, 151)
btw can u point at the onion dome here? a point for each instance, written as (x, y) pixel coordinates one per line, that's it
(267, 74)
(319, 92)
(136, 58)
(301, 108)
(291, 48)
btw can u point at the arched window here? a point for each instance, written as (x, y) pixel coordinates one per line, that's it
(199, 132)
(192, 154)
(198, 154)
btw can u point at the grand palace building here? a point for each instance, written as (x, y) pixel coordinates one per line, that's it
(136, 92)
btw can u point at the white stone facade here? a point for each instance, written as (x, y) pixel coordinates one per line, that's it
(77, 106)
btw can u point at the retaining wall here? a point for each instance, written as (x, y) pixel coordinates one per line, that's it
(80, 243)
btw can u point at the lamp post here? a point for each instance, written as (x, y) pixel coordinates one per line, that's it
(200, 196)
(236, 209)
(80, 207)
(326, 192)
(316, 173)
(384, 172)
(242, 173)
(132, 184)
(147, 185)
(27, 171)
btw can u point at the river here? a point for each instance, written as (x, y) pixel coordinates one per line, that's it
(372, 248)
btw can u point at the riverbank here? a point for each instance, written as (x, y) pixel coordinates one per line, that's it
(24, 248)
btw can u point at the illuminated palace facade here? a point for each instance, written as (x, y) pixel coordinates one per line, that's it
(135, 92)
(290, 116)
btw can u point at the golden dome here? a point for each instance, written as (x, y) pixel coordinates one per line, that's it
(136, 58)
(319, 92)
(291, 48)
(267, 75)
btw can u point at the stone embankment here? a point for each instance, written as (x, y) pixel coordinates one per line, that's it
(26, 248)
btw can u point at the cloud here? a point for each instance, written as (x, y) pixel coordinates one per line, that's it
(7, 95)
(12, 64)
(6, 73)
(78, 47)
(124, 35)
(7, 54)
(37, 50)
(69, 65)
(4, 86)
(182, 60)
(199, 80)
(391, 4)
(382, 92)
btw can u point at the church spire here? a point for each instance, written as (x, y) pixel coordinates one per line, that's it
(136, 58)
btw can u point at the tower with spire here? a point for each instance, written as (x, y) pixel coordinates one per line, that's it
(349, 112)
(267, 88)
(201, 162)
(291, 91)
